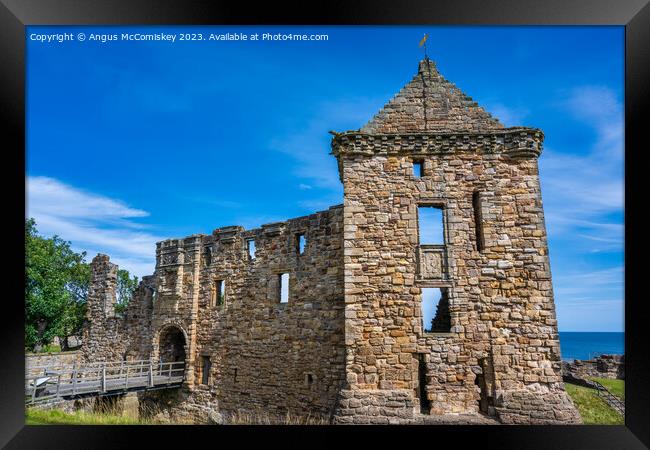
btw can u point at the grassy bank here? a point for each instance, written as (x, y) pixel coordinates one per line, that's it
(35, 416)
(616, 387)
(593, 409)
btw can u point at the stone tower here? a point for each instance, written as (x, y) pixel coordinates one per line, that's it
(493, 346)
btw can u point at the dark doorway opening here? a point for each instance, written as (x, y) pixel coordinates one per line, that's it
(483, 381)
(425, 403)
(172, 345)
(483, 401)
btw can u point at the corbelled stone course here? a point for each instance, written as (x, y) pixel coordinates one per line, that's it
(350, 344)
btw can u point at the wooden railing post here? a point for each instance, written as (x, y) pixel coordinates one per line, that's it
(34, 390)
(58, 384)
(103, 381)
(74, 379)
(150, 373)
(126, 380)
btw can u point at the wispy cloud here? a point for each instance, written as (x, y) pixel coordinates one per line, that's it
(93, 223)
(309, 143)
(583, 193)
(584, 188)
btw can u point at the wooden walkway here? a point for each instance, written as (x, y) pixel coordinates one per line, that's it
(100, 379)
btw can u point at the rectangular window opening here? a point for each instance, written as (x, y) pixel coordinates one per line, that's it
(478, 221)
(435, 310)
(205, 369)
(431, 225)
(309, 379)
(418, 168)
(250, 246)
(207, 254)
(219, 293)
(300, 243)
(283, 280)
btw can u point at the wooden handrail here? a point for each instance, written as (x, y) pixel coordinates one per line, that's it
(100, 378)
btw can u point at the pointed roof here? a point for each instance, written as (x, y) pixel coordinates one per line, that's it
(430, 103)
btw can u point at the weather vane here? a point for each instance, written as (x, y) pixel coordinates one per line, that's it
(423, 42)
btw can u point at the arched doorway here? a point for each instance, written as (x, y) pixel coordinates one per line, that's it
(172, 345)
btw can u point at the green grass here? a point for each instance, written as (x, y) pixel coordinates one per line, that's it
(593, 409)
(49, 348)
(35, 416)
(616, 387)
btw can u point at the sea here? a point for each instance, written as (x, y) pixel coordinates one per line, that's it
(582, 345)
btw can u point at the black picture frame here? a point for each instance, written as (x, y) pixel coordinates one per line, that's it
(16, 14)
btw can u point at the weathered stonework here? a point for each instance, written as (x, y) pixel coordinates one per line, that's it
(605, 366)
(350, 344)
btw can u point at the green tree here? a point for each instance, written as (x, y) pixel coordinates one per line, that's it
(126, 286)
(75, 313)
(56, 289)
(49, 264)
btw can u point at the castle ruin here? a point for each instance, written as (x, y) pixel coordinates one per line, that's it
(323, 314)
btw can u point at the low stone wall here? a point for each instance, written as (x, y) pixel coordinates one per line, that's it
(182, 405)
(36, 362)
(604, 366)
(375, 406)
(537, 405)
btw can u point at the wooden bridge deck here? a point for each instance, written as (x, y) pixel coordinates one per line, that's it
(100, 379)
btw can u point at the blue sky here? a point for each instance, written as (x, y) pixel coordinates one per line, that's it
(130, 142)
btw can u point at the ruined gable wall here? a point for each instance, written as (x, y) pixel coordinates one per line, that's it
(501, 302)
(108, 336)
(103, 335)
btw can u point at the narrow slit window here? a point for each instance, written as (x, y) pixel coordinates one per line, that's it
(219, 293)
(234, 378)
(478, 221)
(205, 369)
(300, 243)
(418, 168)
(207, 254)
(430, 225)
(250, 246)
(283, 280)
(425, 403)
(435, 310)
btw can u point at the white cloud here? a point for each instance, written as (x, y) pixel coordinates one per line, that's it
(52, 197)
(584, 189)
(583, 193)
(92, 223)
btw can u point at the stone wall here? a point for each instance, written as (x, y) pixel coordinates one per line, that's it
(500, 298)
(36, 363)
(604, 366)
(264, 355)
(107, 335)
